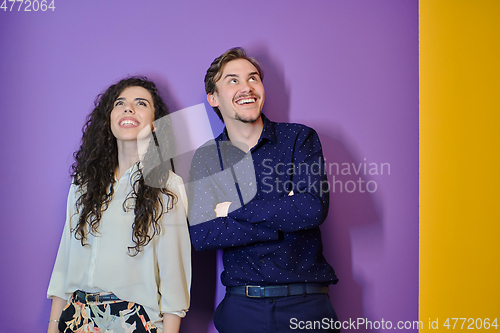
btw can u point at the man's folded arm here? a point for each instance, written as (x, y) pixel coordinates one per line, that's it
(224, 232)
(207, 231)
(303, 206)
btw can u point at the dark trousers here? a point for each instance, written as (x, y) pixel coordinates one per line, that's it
(242, 314)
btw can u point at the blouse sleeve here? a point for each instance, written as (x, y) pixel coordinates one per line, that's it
(174, 254)
(59, 273)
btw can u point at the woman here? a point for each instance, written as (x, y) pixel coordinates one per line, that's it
(124, 257)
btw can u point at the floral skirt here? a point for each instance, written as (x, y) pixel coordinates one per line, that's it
(104, 317)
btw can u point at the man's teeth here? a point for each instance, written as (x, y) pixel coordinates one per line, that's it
(128, 122)
(246, 100)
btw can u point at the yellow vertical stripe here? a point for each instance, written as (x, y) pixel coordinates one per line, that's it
(459, 160)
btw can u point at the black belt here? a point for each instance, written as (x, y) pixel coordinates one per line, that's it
(84, 297)
(279, 291)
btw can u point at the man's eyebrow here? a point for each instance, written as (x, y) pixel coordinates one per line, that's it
(230, 75)
(236, 75)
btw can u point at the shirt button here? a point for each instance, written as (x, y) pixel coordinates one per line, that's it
(262, 261)
(250, 184)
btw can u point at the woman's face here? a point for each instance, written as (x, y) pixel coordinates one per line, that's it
(132, 111)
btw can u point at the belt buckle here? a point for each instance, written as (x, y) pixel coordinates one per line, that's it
(96, 298)
(246, 291)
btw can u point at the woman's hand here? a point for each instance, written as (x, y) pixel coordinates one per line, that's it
(58, 305)
(171, 323)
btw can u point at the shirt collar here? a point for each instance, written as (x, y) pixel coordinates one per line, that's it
(132, 171)
(268, 131)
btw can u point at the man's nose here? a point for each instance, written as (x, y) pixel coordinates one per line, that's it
(245, 87)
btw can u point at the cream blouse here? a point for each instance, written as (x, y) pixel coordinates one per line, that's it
(158, 278)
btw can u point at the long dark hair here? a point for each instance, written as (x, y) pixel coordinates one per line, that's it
(96, 161)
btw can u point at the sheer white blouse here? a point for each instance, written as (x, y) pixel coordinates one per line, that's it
(158, 278)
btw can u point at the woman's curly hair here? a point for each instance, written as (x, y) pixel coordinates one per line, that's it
(95, 164)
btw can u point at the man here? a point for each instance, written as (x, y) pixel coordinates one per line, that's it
(259, 192)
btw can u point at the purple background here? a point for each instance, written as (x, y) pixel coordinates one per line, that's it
(349, 69)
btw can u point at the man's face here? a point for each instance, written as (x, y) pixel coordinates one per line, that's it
(239, 92)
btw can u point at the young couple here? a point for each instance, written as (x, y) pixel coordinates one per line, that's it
(123, 263)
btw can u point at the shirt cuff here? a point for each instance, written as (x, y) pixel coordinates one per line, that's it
(181, 313)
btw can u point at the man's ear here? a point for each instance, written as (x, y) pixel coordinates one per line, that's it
(212, 100)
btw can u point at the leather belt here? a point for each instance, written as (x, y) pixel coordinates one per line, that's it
(84, 297)
(279, 291)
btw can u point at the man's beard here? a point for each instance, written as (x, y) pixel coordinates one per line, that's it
(247, 120)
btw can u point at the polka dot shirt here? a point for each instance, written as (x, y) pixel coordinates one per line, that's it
(278, 198)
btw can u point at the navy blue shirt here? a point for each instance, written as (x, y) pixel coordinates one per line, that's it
(279, 196)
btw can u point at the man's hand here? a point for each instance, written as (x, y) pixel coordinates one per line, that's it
(222, 208)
